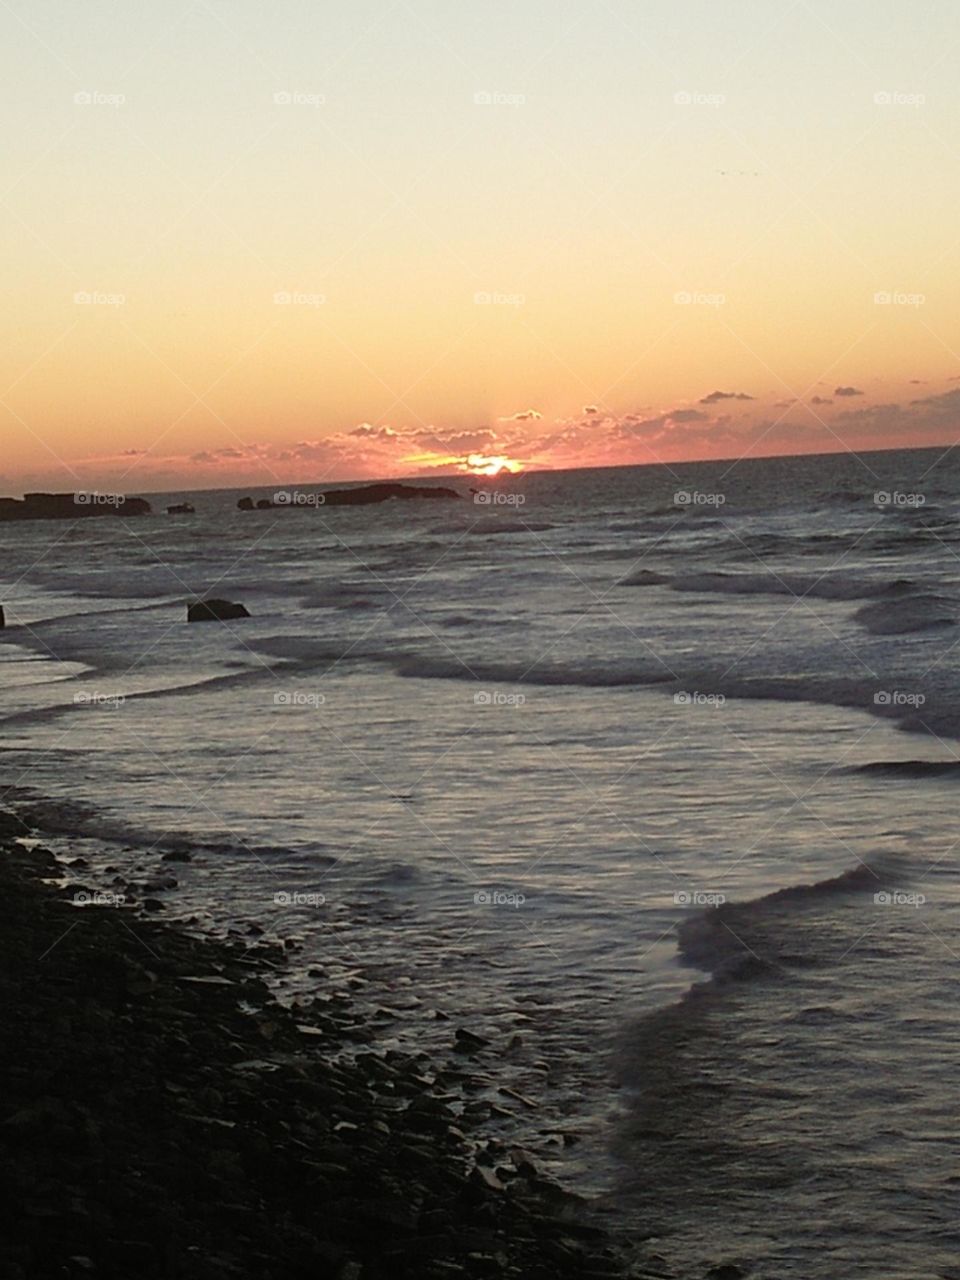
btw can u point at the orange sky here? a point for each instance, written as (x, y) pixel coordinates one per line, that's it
(267, 244)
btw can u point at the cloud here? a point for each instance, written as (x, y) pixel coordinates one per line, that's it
(525, 415)
(821, 400)
(716, 396)
(847, 391)
(590, 408)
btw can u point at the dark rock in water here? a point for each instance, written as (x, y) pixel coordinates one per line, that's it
(215, 611)
(181, 509)
(467, 1041)
(726, 1271)
(384, 492)
(3, 618)
(362, 495)
(71, 506)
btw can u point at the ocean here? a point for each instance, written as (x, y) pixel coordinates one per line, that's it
(644, 773)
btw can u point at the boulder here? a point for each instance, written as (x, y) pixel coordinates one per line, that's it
(245, 504)
(215, 611)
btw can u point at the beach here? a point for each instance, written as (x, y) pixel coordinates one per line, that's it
(164, 1116)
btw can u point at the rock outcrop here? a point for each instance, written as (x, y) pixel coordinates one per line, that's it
(215, 611)
(71, 506)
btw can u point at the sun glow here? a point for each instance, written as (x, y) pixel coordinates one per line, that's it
(482, 464)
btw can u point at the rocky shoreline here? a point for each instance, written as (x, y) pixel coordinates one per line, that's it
(165, 1117)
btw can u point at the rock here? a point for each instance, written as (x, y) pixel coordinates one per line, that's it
(3, 618)
(177, 855)
(726, 1271)
(152, 904)
(245, 504)
(181, 509)
(468, 1041)
(71, 506)
(215, 611)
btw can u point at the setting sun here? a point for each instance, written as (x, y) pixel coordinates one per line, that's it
(480, 464)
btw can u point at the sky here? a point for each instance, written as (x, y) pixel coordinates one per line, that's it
(247, 243)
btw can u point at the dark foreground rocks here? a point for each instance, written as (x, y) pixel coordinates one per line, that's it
(215, 611)
(71, 506)
(162, 1117)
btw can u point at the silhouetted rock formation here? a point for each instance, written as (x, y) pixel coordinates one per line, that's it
(215, 611)
(71, 506)
(181, 509)
(362, 495)
(3, 618)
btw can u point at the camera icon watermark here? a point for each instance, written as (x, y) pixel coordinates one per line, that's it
(497, 698)
(95, 298)
(493, 98)
(493, 298)
(298, 698)
(94, 498)
(293, 98)
(689, 98)
(292, 298)
(497, 498)
(498, 898)
(698, 898)
(297, 498)
(94, 98)
(685, 699)
(96, 898)
(899, 898)
(693, 298)
(894, 98)
(94, 698)
(894, 498)
(898, 298)
(694, 498)
(898, 698)
(294, 898)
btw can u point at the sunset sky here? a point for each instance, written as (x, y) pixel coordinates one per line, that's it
(246, 243)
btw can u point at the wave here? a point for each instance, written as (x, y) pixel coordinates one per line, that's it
(920, 612)
(538, 672)
(915, 769)
(838, 586)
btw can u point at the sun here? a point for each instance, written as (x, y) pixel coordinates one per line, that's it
(482, 464)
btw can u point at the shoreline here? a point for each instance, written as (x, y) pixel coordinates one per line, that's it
(167, 1117)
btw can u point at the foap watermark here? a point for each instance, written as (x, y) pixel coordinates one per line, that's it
(898, 298)
(497, 698)
(694, 498)
(896, 98)
(291, 298)
(497, 498)
(96, 898)
(297, 498)
(494, 98)
(94, 98)
(491, 298)
(498, 898)
(94, 498)
(694, 298)
(690, 98)
(298, 698)
(698, 898)
(694, 699)
(96, 298)
(894, 498)
(899, 898)
(295, 898)
(294, 98)
(94, 698)
(898, 698)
